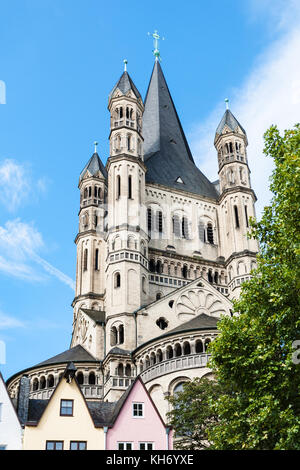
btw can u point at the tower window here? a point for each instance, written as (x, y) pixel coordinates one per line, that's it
(149, 219)
(90, 191)
(246, 216)
(121, 334)
(97, 259)
(159, 221)
(210, 276)
(202, 233)
(184, 224)
(236, 215)
(185, 271)
(152, 265)
(85, 259)
(129, 142)
(176, 225)
(129, 187)
(117, 280)
(210, 233)
(118, 186)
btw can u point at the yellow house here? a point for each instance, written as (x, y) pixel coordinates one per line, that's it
(67, 421)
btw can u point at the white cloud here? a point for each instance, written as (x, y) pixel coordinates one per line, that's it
(19, 244)
(17, 185)
(7, 321)
(269, 95)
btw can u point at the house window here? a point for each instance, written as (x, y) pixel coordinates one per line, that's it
(125, 446)
(78, 445)
(66, 407)
(138, 410)
(146, 445)
(54, 445)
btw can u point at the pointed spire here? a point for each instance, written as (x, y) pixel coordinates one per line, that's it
(125, 84)
(230, 121)
(167, 153)
(94, 166)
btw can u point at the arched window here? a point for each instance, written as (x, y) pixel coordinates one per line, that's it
(35, 384)
(144, 285)
(185, 227)
(113, 336)
(199, 346)
(159, 221)
(147, 362)
(128, 370)
(158, 296)
(85, 260)
(169, 352)
(159, 267)
(120, 370)
(216, 277)
(121, 334)
(152, 359)
(42, 383)
(92, 378)
(97, 259)
(185, 271)
(79, 377)
(117, 280)
(99, 193)
(230, 147)
(159, 356)
(202, 232)
(50, 381)
(85, 194)
(206, 343)
(152, 266)
(210, 233)
(186, 348)
(178, 388)
(129, 187)
(118, 186)
(178, 350)
(210, 276)
(176, 225)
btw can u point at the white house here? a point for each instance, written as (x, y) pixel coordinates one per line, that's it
(10, 426)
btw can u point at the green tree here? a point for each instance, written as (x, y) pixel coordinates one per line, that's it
(253, 356)
(192, 413)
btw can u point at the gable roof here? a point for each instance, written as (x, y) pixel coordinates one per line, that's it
(94, 166)
(229, 120)
(167, 153)
(76, 354)
(125, 84)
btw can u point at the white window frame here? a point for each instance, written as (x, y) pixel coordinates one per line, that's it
(143, 409)
(125, 444)
(146, 445)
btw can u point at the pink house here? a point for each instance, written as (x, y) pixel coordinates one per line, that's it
(136, 423)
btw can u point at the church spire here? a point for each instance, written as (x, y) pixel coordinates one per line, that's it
(167, 154)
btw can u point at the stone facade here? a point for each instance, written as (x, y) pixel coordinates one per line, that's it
(154, 255)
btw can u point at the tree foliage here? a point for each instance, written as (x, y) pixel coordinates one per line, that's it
(253, 356)
(193, 415)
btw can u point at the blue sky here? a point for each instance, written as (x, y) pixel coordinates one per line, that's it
(59, 60)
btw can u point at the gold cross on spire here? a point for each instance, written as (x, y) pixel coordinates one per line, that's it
(156, 38)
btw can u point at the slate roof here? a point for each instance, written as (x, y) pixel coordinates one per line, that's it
(167, 153)
(101, 412)
(36, 409)
(76, 354)
(97, 315)
(202, 321)
(94, 165)
(125, 84)
(117, 350)
(229, 120)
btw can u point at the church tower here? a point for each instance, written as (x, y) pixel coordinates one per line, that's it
(90, 241)
(127, 239)
(237, 200)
